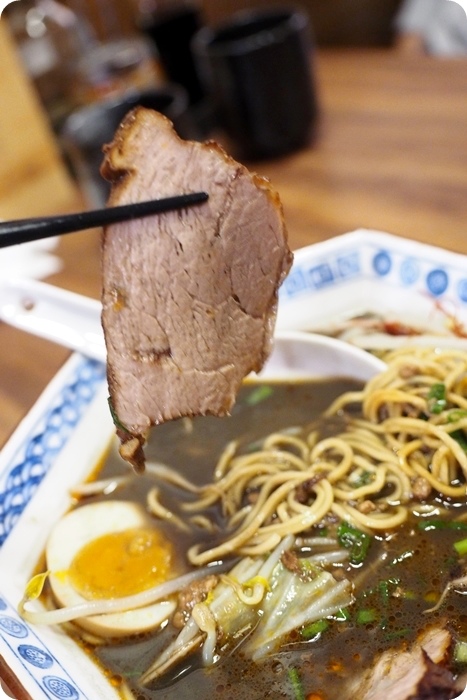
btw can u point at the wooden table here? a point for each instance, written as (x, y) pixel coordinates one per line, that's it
(391, 154)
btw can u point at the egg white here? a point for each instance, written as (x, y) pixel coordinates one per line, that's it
(72, 532)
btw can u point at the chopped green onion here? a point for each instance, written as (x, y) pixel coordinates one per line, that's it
(367, 615)
(116, 420)
(365, 478)
(460, 437)
(449, 563)
(437, 398)
(398, 634)
(383, 589)
(384, 586)
(308, 570)
(260, 393)
(453, 416)
(315, 628)
(461, 547)
(355, 540)
(456, 414)
(296, 683)
(342, 615)
(426, 525)
(460, 653)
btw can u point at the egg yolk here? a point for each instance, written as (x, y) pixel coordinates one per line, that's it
(122, 563)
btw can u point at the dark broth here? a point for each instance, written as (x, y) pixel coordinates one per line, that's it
(393, 590)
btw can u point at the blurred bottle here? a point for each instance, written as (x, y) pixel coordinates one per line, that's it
(170, 25)
(50, 38)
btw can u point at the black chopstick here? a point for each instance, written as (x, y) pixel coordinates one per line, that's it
(25, 230)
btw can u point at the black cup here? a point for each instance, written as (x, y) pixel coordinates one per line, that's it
(87, 130)
(171, 32)
(257, 69)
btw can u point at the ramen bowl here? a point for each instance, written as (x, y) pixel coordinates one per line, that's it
(57, 446)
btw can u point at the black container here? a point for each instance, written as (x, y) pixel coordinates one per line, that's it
(89, 128)
(257, 69)
(171, 31)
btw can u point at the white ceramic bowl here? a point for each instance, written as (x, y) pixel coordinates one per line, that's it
(298, 355)
(57, 446)
(372, 272)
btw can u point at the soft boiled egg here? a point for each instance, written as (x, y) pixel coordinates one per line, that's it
(110, 549)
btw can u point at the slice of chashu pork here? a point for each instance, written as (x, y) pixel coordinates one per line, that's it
(189, 297)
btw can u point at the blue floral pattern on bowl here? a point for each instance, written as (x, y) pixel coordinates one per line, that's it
(340, 266)
(32, 462)
(365, 272)
(49, 676)
(48, 430)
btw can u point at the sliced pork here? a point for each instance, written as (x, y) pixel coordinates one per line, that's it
(415, 674)
(189, 297)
